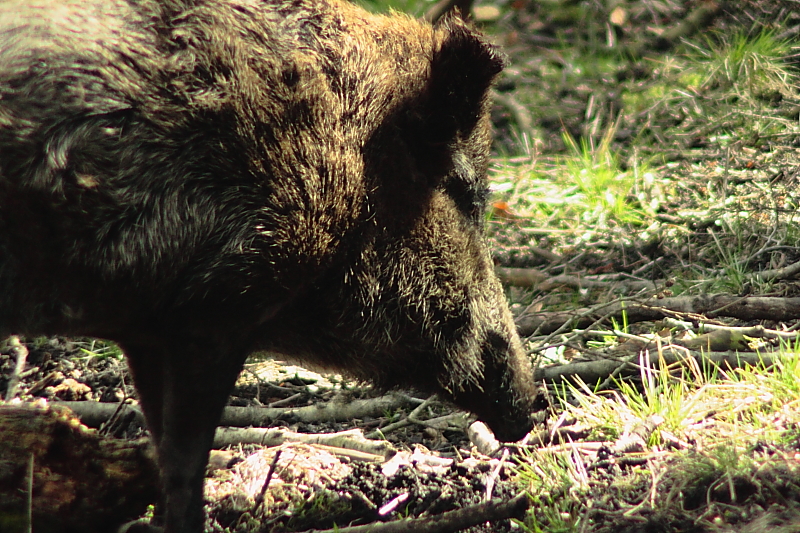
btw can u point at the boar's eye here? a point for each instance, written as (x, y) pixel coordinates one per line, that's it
(467, 189)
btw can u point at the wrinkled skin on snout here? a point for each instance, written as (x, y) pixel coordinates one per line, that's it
(201, 179)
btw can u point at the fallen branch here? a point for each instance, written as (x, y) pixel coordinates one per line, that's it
(695, 307)
(758, 331)
(448, 522)
(787, 272)
(340, 443)
(339, 409)
(94, 414)
(531, 277)
(716, 340)
(593, 371)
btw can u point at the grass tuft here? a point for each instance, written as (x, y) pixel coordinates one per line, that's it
(751, 63)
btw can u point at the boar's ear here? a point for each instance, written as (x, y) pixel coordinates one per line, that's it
(463, 68)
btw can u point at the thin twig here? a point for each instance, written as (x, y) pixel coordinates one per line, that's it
(270, 472)
(21, 353)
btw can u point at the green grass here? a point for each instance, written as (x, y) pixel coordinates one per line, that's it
(725, 414)
(588, 185)
(99, 349)
(750, 63)
(551, 480)
(727, 88)
(596, 171)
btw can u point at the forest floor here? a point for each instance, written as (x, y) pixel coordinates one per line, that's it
(647, 188)
(643, 218)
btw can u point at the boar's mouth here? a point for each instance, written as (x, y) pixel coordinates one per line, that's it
(503, 396)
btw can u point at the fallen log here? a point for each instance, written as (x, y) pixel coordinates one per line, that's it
(59, 476)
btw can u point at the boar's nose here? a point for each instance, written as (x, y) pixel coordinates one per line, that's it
(507, 411)
(503, 397)
(510, 429)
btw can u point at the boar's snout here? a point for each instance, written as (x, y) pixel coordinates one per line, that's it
(503, 399)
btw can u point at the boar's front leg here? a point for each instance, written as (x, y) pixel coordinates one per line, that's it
(183, 387)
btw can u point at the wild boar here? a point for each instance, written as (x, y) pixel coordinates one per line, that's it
(198, 180)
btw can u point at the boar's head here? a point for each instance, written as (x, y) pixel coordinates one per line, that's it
(412, 299)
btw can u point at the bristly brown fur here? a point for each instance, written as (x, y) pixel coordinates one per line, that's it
(199, 180)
